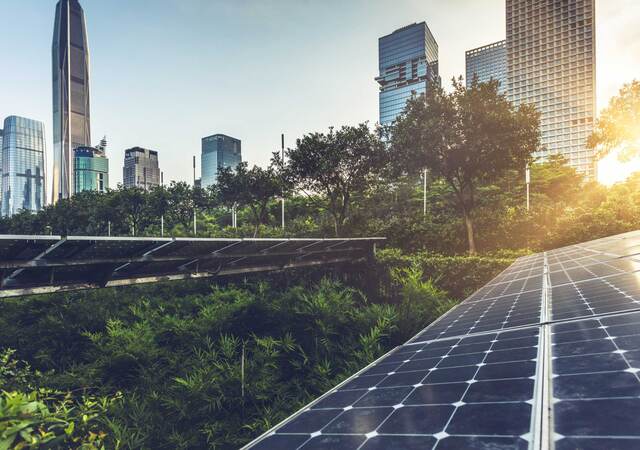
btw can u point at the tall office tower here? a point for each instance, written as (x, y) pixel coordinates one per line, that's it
(71, 117)
(408, 64)
(23, 169)
(486, 63)
(551, 64)
(141, 168)
(218, 151)
(91, 169)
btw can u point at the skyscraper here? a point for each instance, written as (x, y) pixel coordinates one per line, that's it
(551, 64)
(218, 151)
(91, 169)
(71, 115)
(488, 62)
(23, 169)
(408, 64)
(141, 168)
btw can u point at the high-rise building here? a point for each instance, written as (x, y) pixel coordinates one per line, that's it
(551, 64)
(71, 115)
(408, 64)
(218, 151)
(23, 169)
(486, 63)
(141, 168)
(91, 170)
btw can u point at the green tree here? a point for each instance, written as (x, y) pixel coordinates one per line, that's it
(338, 164)
(468, 137)
(252, 188)
(618, 125)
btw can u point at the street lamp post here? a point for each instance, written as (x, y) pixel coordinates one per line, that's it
(424, 192)
(282, 200)
(527, 178)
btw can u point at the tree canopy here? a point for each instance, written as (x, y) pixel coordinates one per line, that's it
(466, 137)
(619, 124)
(338, 164)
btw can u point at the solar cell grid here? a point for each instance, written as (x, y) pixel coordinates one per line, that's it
(487, 315)
(596, 296)
(471, 393)
(596, 388)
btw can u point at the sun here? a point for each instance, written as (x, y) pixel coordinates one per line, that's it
(612, 170)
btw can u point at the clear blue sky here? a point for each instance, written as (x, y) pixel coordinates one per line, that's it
(167, 72)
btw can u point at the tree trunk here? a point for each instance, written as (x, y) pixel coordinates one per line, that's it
(470, 237)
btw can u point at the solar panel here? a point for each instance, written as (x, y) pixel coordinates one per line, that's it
(546, 355)
(43, 264)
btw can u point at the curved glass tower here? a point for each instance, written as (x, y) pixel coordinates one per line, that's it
(71, 117)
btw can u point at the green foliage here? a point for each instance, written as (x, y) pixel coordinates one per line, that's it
(250, 188)
(200, 366)
(467, 138)
(338, 164)
(617, 126)
(44, 418)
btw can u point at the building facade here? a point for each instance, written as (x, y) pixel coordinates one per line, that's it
(71, 112)
(551, 64)
(23, 167)
(486, 63)
(91, 170)
(141, 168)
(408, 65)
(218, 151)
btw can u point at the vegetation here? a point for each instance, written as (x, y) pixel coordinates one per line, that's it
(466, 138)
(195, 365)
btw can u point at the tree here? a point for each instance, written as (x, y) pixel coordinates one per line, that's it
(467, 137)
(131, 205)
(618, 125)
(252, 188)
(338, 165)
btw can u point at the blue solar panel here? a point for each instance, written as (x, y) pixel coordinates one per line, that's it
(546, 355)
(421, 395)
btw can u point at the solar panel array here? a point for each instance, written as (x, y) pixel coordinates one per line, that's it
(40, 264)
(546, 355)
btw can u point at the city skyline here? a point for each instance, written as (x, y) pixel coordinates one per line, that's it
(148, 103)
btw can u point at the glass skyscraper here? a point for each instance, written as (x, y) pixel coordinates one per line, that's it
(71, 116)
(141, 168)
(486, 63)
(218, 151)
(408, 64)
(23, 169)
(91, 170)
(551, 64)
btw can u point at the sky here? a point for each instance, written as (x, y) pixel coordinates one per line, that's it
(166, 73)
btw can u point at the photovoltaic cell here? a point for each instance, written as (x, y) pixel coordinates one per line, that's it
(487, 315)
(596, 384)
(596, 296)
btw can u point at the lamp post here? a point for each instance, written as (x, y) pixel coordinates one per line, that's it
(424, 192)
(527, 179)
(282, 200)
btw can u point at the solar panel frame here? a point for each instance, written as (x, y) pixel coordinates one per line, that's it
(45, 264)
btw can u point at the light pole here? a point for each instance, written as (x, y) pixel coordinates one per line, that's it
(282, 153)
(527, 179)
(162, 215)
(195, 225)
(424, 192)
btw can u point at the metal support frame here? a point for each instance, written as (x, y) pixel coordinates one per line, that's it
(72, 263)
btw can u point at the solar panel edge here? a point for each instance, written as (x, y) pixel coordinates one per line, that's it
(314, 402)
